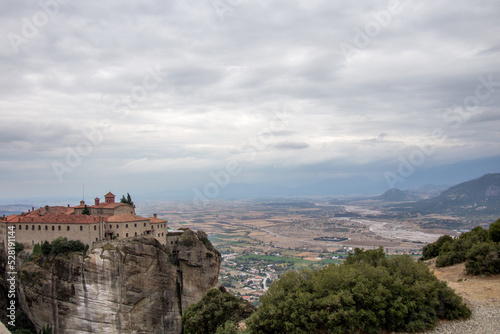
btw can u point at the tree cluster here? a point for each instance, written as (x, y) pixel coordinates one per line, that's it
(127, 200)
(59, 246)
(368, 293)
(217, 311)
(479, 249)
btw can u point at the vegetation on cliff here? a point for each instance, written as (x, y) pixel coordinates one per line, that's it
(479, 249)
(217, 311)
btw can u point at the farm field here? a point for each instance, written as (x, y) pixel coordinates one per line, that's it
(260, 240)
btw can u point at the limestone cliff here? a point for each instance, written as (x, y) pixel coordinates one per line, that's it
(132, 286)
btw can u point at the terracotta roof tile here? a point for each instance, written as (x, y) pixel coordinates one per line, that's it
(155, 220)
(54, 219)
(125, 217)
(103, 206)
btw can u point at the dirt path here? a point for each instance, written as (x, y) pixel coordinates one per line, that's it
(481, 294)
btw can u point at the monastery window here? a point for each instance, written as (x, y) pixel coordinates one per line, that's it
(32, 227)
(135, 233)
(158, 234)
(59, 228)
(39, 227)
(117, 235)
(117, 226)
(126, 235)
(52, 228)
(171, 242)
(68, 228)
(162, 234)
(126, 225)
(46, 227)
(95, 227)
(135, 225)
(144, 224)
(27, 226)
(81, 228)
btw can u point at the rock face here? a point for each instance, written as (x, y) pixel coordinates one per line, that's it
(132, 286)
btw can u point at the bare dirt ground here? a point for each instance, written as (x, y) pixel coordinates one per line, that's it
(481, 294)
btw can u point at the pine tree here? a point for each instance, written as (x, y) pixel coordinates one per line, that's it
(86, 211)
(127, 200)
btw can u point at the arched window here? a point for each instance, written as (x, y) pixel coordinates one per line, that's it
(53, 228)
(81, 228)
(46, 227)
(126, 225)
(126, 235)
(59, 228)
(95, 227)
(39, 227)
(67, 228)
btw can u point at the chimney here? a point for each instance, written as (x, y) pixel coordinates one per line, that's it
(97, 200)
(82, 202)
(68, 205)
(32, 208)
(155, 215)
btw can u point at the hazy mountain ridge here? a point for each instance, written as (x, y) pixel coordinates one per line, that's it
(478, 196)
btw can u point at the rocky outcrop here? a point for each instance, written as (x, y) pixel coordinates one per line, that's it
(132, 286)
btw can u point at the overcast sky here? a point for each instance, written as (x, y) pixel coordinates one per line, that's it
(146, 96)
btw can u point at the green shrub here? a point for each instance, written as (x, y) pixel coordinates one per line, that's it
(213, 312)
(368, 293)
(62, 245)
(433, 249)
(483, 259)
(46, 248)
(18, 247)
(494, 231)
(452, 251)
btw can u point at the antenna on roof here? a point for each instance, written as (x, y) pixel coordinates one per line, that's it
(83, 191)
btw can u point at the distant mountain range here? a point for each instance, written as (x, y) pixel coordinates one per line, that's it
(478, 196)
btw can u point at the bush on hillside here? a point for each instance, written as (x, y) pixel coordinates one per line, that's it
(476, 248)
(213, 312)
(432, 250)
(483, 259)
(368, 293)
(494, 232)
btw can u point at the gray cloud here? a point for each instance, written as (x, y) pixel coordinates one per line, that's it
(291, 146)
(268, 79)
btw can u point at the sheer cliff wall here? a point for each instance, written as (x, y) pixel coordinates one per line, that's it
(137, 286)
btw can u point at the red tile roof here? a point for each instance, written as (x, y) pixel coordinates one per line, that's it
(126, 217)
(54, 219)
(103, 205)
(155, 220)
(109, 194)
